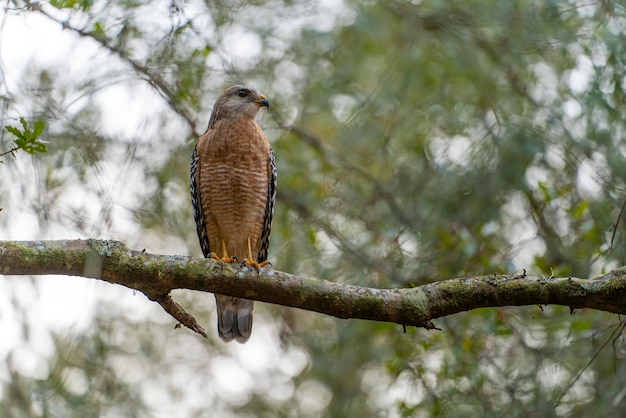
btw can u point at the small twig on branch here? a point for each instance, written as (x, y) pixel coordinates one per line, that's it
(157, 275)
(11, 151)
(174, 309)
(619, 218)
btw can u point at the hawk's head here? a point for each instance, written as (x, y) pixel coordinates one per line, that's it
(238, 101)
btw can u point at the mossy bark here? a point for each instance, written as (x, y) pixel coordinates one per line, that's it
(156, 275)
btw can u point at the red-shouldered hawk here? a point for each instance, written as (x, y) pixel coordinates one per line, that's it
(233, 189)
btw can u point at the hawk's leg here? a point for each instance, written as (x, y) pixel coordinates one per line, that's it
(249, 261)
(225, 258)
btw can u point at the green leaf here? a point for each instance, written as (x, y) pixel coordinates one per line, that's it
(63, 4)
(38, 128)
(28, 140)
(580, 209)
(24, 124)
(98, 30)
(21, 142)
(40, 147)
(14, 131)
(545, 191)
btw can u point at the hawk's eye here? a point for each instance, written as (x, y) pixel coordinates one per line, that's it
(243, 93)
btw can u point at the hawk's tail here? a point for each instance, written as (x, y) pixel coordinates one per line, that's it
(234, 318)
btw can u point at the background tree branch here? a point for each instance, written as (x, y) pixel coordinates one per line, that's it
(156, 275)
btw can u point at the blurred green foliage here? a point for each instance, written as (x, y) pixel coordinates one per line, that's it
(415, 141)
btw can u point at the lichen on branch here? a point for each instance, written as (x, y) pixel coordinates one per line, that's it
(156, 275)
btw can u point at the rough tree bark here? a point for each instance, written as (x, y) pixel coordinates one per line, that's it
(156, 275)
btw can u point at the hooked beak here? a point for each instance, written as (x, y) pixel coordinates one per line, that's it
(262, 101)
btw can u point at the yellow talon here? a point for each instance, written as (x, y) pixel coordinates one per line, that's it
(225, 258)
(214, 256)
(249, 261)
(250, 252)
(224, 252)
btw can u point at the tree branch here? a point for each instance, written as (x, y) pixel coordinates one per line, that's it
(152, 77)
(156, 275)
